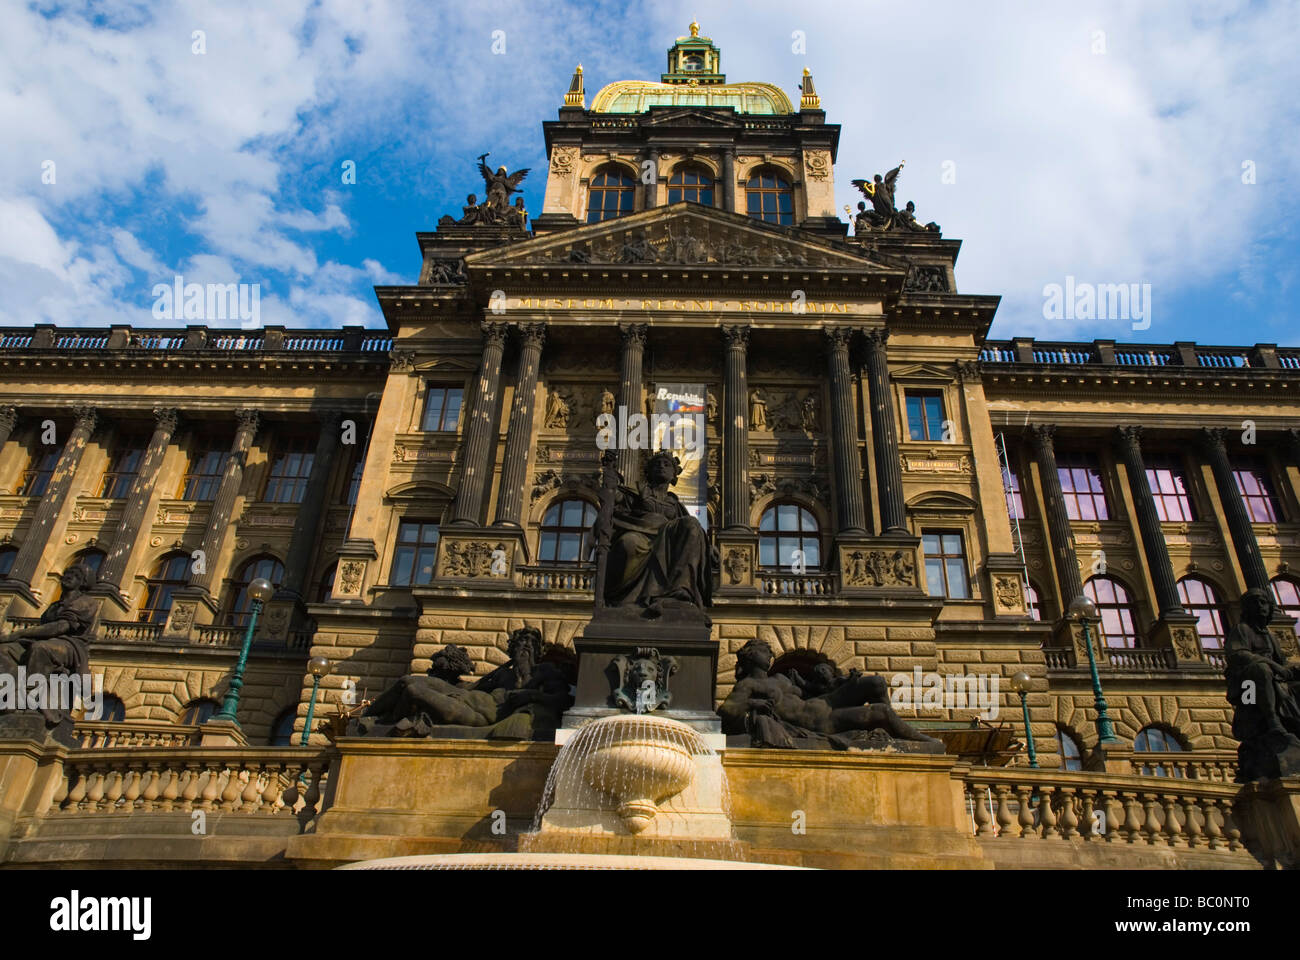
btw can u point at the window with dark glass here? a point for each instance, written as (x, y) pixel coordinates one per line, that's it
(241, 604)
(122, 469)
(282, 729)
(783, 529)
(1069, 749)
(353, 485)
(1155, 740)
(945, 564)
(1200, 599)
(1118, 624)
(612, 193)
(768, 197)
(36, 478)
(417, 548)
(441, 408)
(111, 710)
(925, 415)
(199, 711)
(1257, 492)
(566, 532)
(1011, 486)
(1032, 602)
(1286, 593)
(171, 574)
(1168, 483)
(93, 558)
(203, 478)
(1082, 487)
(325, 586)
(690, 183)
(290, 470)
(7, 555)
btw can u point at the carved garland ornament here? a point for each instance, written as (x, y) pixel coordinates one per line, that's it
(880, 568)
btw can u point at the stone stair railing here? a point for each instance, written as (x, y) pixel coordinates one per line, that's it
(262, 781)
(1010, 803)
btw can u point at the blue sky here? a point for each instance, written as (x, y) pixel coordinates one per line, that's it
(1108, 142)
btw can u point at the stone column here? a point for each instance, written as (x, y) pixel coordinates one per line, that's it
(1129, 446)
(1292, 444)
(735, 431)
(480, 431)
(307, 524)
(652, 188)
(1058, 520)
(893, 511)
(223, 506)
(629, 390)
(137, 502)
(1234, 510)
(729, 180)
(519, 435)
(8, 420)
(844, 435)
(51, 502)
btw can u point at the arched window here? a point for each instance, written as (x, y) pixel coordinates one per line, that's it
(566, 532)
(1201, 599)
(325, 586)
(769, 197)
(691, 183)
(1068, 745)
(198, 711)
(172, 572)
(1156, 740)
(1118, 624)
(1286, 594)
(1032, 602)
(7, 555)
(240, 604)
(111, 710)
(282, 729)
(612, 194)
(783, 529)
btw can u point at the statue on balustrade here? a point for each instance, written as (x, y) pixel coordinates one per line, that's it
(520, 700)
(821, 713)
(1265, 690)
(653, 556)
(57, 651)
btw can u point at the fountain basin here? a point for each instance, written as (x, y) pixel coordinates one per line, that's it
(638, 761)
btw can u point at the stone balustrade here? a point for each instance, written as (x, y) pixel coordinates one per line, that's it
(796, 585)
(1215, 766)
(103, 734)
(266, 781)
(573, 579)
(1052, 805)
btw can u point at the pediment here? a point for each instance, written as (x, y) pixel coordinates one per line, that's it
(684, 234)
(688, 116)
(922, 372)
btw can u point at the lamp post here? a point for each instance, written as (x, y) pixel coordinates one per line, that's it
(1020, 684)
(1085, 611)
(319, 668)
(259, 591)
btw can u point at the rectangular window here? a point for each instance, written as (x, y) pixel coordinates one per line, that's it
(441, 409)
(1168, 483)
(1011, 485)
(417, 548)
(925, 415)
(38, 473)
(1257, 491)
(204, 476)
(945, 564)
(290, 468)
(1085, 495)
(122, 469)
(353, 485)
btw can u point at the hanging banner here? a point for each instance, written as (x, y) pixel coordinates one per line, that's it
(677, 424)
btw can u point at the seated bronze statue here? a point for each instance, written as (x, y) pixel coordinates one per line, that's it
(59, 644)
(1265, 690)
(776, 712)
(517, 700)
(659, 556)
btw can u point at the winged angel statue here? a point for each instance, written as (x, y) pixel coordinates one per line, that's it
(884, 215)
(496, 208)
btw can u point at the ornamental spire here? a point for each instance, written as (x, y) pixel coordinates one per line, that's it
(576, 97)
(810, 100)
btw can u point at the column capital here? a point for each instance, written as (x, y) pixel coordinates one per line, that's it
(633, 333)
(494, 334)
(532, 334)
(736, 335)
(8, 418)
(248, 418)
(1215, 439)
(968, 371)
(838, 338)
(87, 416)
(876, 337)
(1044, 434)
(166, 418)
(1128, 438)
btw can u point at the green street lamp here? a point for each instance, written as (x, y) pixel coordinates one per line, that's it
(259, 591)
(319, 668)
(1020, 684)
(1085, 611)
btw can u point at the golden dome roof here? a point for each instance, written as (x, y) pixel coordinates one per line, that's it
(638, 96)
